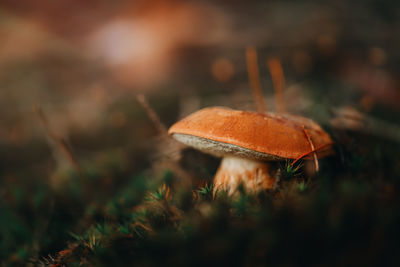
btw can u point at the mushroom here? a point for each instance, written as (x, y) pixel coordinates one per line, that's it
(247, 140)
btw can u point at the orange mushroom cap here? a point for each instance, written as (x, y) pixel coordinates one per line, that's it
(222, 131)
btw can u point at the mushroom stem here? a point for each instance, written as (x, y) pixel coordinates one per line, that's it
(252, 174)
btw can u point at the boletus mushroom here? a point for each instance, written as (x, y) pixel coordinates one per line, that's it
(247, 141)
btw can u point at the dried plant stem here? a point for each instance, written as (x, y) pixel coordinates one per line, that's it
(59, 141)
(254, 79)
(152, 115)
(312, 148)
(278, 80)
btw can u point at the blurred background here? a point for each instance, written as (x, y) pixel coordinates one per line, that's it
(84, 62)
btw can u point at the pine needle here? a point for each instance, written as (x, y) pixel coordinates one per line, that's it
(312, 148)
(309, 152)
(254, 79)
(278, 80)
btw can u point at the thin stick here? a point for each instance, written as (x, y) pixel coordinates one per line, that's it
(254, 79)
(152, 115)
(278, 80)
(309, 152)
(312, 148)
(59, 141)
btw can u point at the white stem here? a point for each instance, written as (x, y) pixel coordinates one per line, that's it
(234, 171)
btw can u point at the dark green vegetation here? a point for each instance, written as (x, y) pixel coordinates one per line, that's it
(117, 212)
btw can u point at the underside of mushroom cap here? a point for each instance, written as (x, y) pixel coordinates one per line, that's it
(221, 149)
(222, 131)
